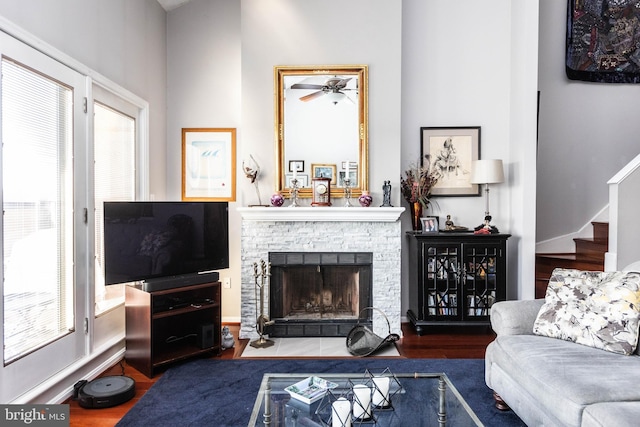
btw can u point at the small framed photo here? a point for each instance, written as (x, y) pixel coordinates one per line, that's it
(353, 176)
(450, 152)
(320, 170)
(303, 180)
(352, 165)
(430, 224)
(296, 165)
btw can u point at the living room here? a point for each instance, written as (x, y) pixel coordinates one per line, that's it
(497, 65)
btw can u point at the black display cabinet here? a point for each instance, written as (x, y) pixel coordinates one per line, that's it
(454, 278)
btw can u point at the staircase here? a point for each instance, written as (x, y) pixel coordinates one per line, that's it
(589, 255)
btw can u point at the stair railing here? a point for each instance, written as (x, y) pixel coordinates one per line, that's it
(624, 221)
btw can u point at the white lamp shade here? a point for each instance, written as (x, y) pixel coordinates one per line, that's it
(487, 172)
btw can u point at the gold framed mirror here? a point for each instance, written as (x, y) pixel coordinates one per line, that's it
(321, 127)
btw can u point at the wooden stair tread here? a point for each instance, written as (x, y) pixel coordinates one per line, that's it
(589, 255)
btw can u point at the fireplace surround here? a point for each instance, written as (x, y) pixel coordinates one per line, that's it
(332, 230)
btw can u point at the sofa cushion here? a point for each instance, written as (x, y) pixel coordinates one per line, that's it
(564, 377)
(611, 414)
(597, 309)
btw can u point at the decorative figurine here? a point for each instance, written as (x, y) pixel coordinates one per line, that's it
(252, 173)
(450, 226)
(386, 197)
(227, 338)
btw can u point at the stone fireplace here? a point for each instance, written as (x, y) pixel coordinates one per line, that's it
(327, 247)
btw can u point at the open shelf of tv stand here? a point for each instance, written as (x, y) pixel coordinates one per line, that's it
(171, 325)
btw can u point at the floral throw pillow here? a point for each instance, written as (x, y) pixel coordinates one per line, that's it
(597, 309)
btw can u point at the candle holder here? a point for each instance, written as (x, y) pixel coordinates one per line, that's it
(385, 385)
(332, 416)
(293, 193)
(347, 192)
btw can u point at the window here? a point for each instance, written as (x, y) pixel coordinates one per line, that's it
(114, 180)
(37, 226)
(51, 194)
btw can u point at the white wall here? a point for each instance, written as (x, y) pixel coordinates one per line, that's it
(204, 91)
(587, 133)
(469, 63)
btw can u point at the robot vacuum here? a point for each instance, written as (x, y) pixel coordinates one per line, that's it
(104, 392)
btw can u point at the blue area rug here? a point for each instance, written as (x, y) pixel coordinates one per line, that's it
(221, 393)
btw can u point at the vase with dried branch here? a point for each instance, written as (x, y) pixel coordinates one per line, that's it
(416, 186)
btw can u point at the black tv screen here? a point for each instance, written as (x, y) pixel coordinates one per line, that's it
(146, 240)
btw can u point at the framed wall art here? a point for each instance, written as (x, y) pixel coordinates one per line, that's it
(209, 164)
(602, 41)
(450, 152)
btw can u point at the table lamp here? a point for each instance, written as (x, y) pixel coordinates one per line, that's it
(487, 172)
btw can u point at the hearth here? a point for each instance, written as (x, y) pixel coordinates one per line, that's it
(319, 293)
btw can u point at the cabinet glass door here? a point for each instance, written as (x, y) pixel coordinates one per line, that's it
(441, 278)
(483, 267)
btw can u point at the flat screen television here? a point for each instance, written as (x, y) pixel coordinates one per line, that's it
(149, 240)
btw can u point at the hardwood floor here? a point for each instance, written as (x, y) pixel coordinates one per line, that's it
(447, 344)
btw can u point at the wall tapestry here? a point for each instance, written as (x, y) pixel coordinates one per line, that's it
(603, 41)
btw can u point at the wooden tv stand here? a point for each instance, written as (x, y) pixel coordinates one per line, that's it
(167, 326)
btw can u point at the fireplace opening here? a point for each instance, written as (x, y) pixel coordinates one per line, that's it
(319, 294)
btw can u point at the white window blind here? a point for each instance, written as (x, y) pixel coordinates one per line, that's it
(37, 200)
(114, 180)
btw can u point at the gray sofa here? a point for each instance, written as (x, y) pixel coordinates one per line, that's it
(552, 382)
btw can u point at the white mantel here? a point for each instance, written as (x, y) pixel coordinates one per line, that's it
(307, 229)
(332, 214)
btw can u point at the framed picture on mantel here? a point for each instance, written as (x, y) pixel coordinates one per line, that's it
(451, 151)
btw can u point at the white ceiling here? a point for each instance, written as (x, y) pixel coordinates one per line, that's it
(171, 4)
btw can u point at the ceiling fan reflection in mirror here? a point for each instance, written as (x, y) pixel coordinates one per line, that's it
(332, 89)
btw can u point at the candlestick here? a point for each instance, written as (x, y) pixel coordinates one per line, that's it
(293, 192)
(347, 192)
(341, 413)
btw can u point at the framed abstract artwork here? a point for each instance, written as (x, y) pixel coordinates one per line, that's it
(209, 164)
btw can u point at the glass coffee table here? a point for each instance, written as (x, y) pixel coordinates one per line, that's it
(415, 399)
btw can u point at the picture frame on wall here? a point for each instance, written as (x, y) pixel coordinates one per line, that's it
(323, 170)
(209, 164)
(451, 152)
